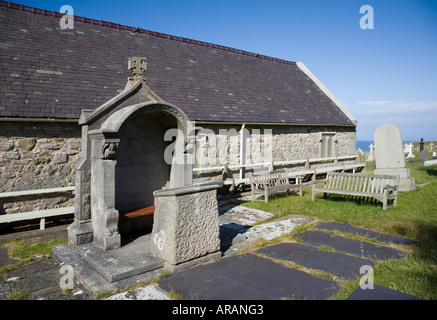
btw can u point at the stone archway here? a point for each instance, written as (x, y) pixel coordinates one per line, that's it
(132, 166)
(124, 165)
(141, 168)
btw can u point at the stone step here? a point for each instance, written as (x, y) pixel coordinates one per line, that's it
(94, 280)
(84, 274)
(117, 267)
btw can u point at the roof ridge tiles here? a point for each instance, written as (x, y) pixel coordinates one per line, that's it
(140, 30)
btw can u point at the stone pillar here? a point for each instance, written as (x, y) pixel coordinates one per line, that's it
(104, 216)
(186, 225)
(81, 230)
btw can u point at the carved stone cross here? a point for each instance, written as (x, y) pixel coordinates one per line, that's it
(137, 65)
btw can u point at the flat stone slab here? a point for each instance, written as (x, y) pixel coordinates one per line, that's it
(362, 249)
(341, 265)
(114, 266)
(274, 229)
(145, 293)
(247, 277)
(91, 279)
(40, 280)
(235, 236)
(231, 213)
(380, 293)
(347, 228)
(5, 259)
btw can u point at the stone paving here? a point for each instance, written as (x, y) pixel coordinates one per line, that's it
(256, 275)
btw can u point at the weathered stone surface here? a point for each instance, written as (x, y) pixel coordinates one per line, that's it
(26, 144)
(6, 145)
(12, 155)
(389, 155)
(37, 159)
(60, 157)
(186, 224)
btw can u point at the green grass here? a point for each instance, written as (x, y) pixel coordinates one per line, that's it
(25, 252)
(414, 217)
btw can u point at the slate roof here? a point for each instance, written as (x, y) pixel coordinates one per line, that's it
(47, 72)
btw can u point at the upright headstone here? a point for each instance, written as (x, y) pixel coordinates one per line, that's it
(421, 144)
(423, 155)
(389, 156)
(409, 150)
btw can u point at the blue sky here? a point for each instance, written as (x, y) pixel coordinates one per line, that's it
(383, 75)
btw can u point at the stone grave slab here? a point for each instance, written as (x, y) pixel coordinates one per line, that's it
(362, 249)
(247, 277)
(230, 213)
(380, 293)
(4, 258)
(341, 265)
(429, 163)
(347, 228)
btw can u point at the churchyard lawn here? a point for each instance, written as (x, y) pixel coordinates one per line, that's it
(414, 217)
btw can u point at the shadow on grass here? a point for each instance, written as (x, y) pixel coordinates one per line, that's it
(432, 171)
(361, 201)
(424, 259)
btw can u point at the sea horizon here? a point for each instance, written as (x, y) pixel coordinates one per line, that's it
(364, 144)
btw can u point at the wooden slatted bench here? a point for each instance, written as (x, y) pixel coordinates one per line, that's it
(273, 182)
(38, 214)
(380, 187)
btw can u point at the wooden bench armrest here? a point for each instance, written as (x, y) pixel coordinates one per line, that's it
(387, 186)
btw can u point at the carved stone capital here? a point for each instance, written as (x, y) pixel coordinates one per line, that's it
(109, 150)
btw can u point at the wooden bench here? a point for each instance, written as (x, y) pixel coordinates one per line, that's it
(135, 213)
(273, 182)
(38, 214)
(380, 187)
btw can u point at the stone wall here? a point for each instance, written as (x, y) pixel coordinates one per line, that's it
(37, 155)
(286, 143)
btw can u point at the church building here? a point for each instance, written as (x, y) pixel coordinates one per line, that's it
(245, 109)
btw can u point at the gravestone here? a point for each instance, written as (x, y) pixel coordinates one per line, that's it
(430, 163)
(409, 150)
(389, 156)
(371, 153)
(423, 155)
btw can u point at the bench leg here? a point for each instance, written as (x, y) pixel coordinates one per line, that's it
(313, 196)
(266, 195)
(384, 200)
(42, 224)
